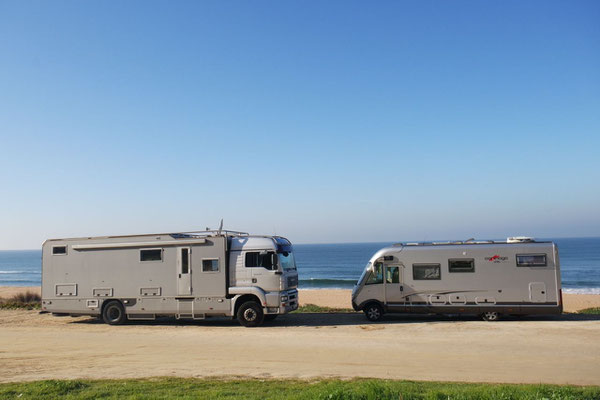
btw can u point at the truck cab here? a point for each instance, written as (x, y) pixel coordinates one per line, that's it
(264, 266)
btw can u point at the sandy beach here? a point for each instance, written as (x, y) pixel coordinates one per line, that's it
(562, 349)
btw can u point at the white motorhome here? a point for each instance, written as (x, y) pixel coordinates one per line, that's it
(517, 277)
(190, 275)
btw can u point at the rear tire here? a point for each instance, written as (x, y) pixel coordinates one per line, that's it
(114, 313)
(250, 314)
(490, 316)
(373, 312)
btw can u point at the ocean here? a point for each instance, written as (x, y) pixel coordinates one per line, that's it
(322, 266)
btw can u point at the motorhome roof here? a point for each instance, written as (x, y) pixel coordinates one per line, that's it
(510, 240)
(178, 235)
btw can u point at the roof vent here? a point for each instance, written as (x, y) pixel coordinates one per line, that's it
(519, 239)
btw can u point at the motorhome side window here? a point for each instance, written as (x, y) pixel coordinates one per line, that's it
(259, 259)
(376, 275)
(461, 265)
(392, 275)
(423, 272)
(151, 255)
(531, 260)
(59, 250)
(210, 265)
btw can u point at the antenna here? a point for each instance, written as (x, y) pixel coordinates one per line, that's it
(220, 226)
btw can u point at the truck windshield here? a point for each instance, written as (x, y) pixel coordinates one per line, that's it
(286, 259)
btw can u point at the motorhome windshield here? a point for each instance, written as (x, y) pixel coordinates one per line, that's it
(364, 274)
(286, 259)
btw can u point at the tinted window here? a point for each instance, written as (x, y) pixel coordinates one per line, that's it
(151, 255)
(210, 265)
(531, 260)
(185, 261)
(59, 250)
(255, 259)
(376, 275)
(427, 272)
(461, 265)
(392, 275)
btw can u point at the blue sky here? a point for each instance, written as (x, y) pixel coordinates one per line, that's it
(321, 121)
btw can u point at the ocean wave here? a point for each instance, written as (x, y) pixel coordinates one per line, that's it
(21, 272)
(582, 290)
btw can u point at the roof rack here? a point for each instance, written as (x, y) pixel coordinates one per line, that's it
(510, 240)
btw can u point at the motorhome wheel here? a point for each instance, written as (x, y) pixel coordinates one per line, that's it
(373, 312)
(490, 316)
(113, 313)
(250, 314)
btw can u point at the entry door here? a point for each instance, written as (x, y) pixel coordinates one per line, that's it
(394, 293)
(184, 271)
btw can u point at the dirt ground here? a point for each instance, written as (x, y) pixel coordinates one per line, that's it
(563, 349)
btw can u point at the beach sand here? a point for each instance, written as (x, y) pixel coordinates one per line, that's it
(555, 350)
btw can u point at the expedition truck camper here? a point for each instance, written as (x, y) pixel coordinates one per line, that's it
(518, 276)
(190, 275)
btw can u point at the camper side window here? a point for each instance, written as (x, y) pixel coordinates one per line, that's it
(59, 250)
(531, 260)
(376, 275)
(210, 265)
(461, 265)
(423, 272)
(392, 275)
(151, 255)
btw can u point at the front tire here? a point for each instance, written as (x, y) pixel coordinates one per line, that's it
(490, 316)
(250, 314)
(373, 312)
(114, 313)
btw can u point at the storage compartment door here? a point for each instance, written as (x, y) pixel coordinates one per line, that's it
(537, 292)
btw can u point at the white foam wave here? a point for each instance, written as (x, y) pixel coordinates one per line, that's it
(21, 272)
(582, 291)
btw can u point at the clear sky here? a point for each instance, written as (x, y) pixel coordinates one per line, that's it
(327, 121)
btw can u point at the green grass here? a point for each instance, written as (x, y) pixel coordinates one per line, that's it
(180, 388)
(594, 310)
(313, 308)
(27, 301)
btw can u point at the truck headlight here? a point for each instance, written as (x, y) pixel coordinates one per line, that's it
(284, 298)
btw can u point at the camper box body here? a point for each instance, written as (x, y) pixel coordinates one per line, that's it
(187, 275)
(512, 277)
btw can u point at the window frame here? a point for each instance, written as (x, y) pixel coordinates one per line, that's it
(273, 267)
(450, 260)
(532, 265)
(162, 255)
(212, 271)
(438, 265)
(60, 254)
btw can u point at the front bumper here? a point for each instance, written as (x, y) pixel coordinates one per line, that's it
(290, 302)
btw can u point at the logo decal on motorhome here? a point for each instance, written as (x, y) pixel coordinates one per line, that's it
(496, 258)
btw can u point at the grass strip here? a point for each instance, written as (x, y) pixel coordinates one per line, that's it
(593, 311)
(27, 301)
(313, 308)
(331, 389)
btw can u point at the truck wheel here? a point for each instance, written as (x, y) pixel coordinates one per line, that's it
(490, 316)
(270, 317)
(373, 312)
(250, 314)
(114, 313)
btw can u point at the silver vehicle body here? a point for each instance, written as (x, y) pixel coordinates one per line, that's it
(187, 275)
(519, 276)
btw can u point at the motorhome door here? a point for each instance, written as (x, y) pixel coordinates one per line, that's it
(395, 289)
(184, 271)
